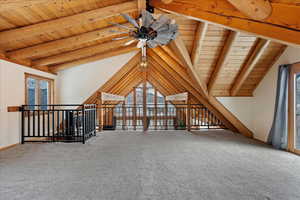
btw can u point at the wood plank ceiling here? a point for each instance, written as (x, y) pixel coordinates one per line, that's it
(45, 35)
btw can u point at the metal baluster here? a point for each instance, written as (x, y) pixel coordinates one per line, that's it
(43, 123)
(33, 121)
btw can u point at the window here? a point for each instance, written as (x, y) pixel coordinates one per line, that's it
(39, 91)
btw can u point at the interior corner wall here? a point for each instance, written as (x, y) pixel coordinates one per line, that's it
(76, 84)
(257, 112)
(12, 93)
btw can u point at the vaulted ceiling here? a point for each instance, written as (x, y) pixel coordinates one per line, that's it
(223, 49)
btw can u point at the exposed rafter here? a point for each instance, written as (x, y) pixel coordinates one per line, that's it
(198, 41)
(255, 54)
(279, 26)
(180, 49)
(107, 54)
(53, 46)
(222, 60)
(183, 79)
(79, 53)
(67, 22)
(211, 103)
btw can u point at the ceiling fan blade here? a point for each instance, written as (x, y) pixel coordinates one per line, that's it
(147, 18)
(152, 44)
(121, 26)
(121, 32)
(120, 38)
(160, 22)
(130, 20)
(129, 42)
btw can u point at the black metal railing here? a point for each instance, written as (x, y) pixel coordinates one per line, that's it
(157, 117)
(58, 123)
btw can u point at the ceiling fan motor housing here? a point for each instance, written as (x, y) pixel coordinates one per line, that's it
(145, 33)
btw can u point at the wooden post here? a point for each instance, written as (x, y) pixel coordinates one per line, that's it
(145, 100)
(134, 108)
(123, 115)
(188, 114)
(166, 115)
(99, 111)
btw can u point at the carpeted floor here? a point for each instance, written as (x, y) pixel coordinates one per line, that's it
(215, 165)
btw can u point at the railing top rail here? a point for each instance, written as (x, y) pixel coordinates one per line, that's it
(59, 105)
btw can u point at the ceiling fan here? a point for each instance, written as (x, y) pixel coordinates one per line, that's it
(150, 31)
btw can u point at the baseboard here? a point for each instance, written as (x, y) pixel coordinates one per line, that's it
(9, 146)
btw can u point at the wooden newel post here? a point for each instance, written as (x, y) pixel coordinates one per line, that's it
(166, 115)
(99, 110)
(188, 114)
(124, 115)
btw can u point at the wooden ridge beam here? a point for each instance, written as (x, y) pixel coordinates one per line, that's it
(67, 22)
(198, 42)
(256, 52)
(223, 58)
(179, 47)
(281, 25)
(255, 9)
(119, 51)
(79, 53)
(60, 44)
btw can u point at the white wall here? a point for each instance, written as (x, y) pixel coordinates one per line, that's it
(241, 107)
(257, 112)
(12, 93)
(265, 94)
(78, 83)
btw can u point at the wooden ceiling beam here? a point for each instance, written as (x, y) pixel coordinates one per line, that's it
(119, 51)
(180, 49)
(281, 25)
(223, 59)
(23, 62)
(256, 52)
(79, 53)
(14, 4)
(67, 22)
(255, 9)
(56, 45)
(198, 41)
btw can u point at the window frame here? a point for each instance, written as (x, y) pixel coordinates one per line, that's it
(295, 69)
(40, 78)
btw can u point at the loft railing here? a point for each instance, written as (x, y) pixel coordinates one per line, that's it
(157, 117)
(58, 123)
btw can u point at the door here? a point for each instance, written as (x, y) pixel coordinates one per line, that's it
(294, 110)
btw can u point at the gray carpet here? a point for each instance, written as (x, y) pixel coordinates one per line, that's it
(158, 166)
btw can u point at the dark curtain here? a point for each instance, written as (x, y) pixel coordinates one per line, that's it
(279, 131)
